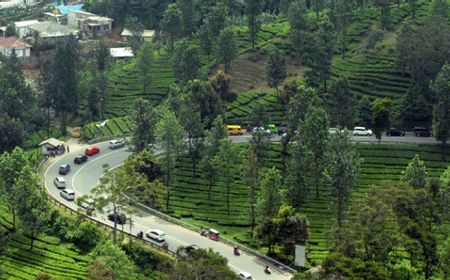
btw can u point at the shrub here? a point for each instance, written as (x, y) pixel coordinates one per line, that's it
(86, 236)
(374, 37)
(146, 259)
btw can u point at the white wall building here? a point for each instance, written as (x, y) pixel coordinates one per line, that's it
(14, 44)
(89, 25)
(22, 27)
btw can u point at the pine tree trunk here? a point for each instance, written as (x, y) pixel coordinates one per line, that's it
(210, 188)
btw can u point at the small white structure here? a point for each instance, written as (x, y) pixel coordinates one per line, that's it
(147, 35)
(11, 45)
(89, 25)
(121, 53)
(52, 32)
(51, 146)
(22, 27)
(12, 3)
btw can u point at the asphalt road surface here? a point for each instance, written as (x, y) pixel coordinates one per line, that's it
(82, 178)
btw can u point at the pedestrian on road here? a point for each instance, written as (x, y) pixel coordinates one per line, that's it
(68, 150)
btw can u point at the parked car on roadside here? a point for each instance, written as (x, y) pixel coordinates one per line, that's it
(115, 144)
(362, 131)
(395, 132)
(421, 132)
(60, 182)
(92, 151)
(80, 159)
(68, 194)
(64, 169)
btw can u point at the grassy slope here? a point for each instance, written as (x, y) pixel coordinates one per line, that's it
(372, 73)
(381, 163)
(61, 261)
(125, 83)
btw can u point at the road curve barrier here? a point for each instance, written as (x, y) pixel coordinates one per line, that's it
(280, 266)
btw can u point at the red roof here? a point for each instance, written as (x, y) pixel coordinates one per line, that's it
(13, 43)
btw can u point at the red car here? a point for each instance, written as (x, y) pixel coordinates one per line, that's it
(92, 151)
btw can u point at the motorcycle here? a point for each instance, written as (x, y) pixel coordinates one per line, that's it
(236, 251)
(140, 235)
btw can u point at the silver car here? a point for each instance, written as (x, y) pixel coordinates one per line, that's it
(60, 182)
(68, 194)
(115, 144)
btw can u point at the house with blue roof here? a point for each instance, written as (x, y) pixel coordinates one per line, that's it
(64, 10)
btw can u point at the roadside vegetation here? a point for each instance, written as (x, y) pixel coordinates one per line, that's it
(362, 210)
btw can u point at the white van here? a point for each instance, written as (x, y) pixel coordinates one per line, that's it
(68, 194)
(60, 182)
(156, 234)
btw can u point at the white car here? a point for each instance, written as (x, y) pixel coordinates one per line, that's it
(115, 144)
(261, 130)
(243, 275)
(87, 205)
(156, 234)
(362, 131)
(60, 182)
(68, 194)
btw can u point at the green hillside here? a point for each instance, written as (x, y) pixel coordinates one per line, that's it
(125, 83)
(49, 255)
(371, 72)
(189, 197)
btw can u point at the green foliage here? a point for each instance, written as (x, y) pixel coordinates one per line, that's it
(293, 228)
(144, 63)
(10, 30)
(342, 103)
(226, 159)
(208, 100)
(115, 259)
(169, 138)
(269, 196)
(188, 15)
(136, 29)
(253, 9)
(171, 23)
(415, 174)
(63, 83)
(226, 50)
(202, 264)
(143, 124)
(441, 110)
(342, 171)
(313, 133)
(276, 67)
(185, 62)
(381, 116)
(86, 236)
(421, 50)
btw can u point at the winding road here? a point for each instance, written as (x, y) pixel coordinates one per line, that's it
(82, 178)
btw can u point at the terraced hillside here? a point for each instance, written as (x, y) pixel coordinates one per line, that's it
(61, 261)
(373, 73)
(241, 110)
(125, 83)
(381, 163)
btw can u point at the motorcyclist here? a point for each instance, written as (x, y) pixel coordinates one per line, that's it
(267, 270)
(236, 251)
(140, 235)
